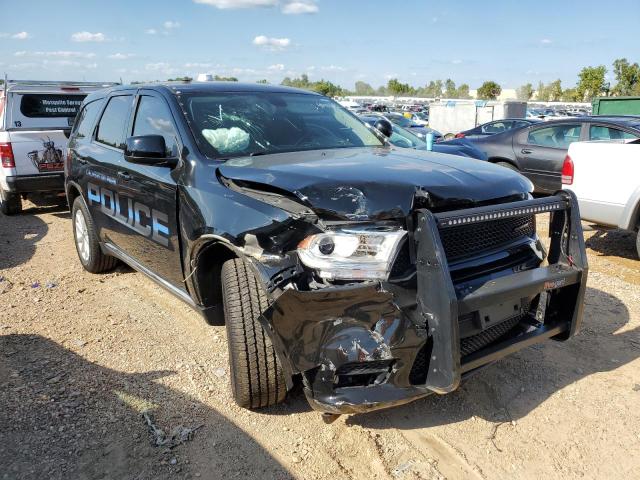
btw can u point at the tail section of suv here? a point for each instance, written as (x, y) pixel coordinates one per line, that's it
(35, 119)
(373, 275)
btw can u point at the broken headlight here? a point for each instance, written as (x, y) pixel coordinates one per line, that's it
(352, 253)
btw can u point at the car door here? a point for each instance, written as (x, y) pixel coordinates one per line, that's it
(104, 159)
(541, 150)
(150, 191)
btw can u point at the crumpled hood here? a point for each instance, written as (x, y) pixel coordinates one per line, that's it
(376, 183)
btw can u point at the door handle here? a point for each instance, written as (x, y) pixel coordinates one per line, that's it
(526, 151)
(124, 175)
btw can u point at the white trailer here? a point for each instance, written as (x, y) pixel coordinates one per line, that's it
(453, 116)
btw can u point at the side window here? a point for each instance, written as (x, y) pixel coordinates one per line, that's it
(83, 126)
(519, 123)
(496, 127)
(598, 132)
(111, 126)
(557, 136)
(154, 118)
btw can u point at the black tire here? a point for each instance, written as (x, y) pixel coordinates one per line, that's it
(94, 261)
(257, 379)
(10, 203)
(508, 165)
(638, 243)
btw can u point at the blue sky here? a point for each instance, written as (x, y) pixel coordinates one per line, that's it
(511, 42)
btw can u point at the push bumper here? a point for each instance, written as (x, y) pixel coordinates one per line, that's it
(46, 182)
(369, 346)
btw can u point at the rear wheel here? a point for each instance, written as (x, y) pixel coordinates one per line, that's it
(10, 203)
(257, 379)
(86, 240)
(508, 165)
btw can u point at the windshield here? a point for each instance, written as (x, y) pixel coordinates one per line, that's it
(234, 124)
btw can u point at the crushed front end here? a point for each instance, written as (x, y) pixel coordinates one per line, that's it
(466, 288)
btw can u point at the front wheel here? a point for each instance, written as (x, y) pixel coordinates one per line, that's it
(257, 379)
(10, 203)
(86, 240)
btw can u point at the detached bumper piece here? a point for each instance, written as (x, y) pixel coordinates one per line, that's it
(363, 347)
(526, 307)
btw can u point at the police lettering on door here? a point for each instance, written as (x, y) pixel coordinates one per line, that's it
(137, 216)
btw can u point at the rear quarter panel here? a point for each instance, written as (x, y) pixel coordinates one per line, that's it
(606, 180)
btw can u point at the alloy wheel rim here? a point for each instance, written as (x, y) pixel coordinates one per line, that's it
(82, 236)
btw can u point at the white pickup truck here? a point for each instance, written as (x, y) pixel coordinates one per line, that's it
(35, 119)
(606, 179)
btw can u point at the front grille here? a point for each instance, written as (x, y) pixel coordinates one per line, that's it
(476, 342)
(468, 240)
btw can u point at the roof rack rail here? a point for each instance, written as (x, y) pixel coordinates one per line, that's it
(43, 83)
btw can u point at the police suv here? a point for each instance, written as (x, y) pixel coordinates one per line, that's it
(35, 120)
(371, 274)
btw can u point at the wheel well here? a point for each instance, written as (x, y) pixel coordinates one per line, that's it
(72, 194)
(207, 279)
(502, 160)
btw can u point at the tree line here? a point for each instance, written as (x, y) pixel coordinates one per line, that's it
(591, 83)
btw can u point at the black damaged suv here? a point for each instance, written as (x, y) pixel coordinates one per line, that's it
(375, 275)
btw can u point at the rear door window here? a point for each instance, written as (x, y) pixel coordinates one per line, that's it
(599, 132)
(113, 122)
(556, 136)
(40, 105)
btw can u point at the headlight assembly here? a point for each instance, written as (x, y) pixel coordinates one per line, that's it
(352, 253)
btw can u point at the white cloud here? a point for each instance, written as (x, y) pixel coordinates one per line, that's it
(21, 36)
(57, 53)
(546, 41)
(150, 31)
(456, 61)
(198, 65)
(288, 7)
(271, 43)
(299, 7)
(120, 56)
(276, 67)
(88, 37)
(169, 25)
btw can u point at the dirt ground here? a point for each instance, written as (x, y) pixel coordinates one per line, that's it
(82, 355)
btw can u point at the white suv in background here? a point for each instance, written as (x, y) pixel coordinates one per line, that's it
(35, 120)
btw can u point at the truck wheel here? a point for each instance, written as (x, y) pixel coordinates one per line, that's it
(257, 379)
(10, 203)
(86, 240)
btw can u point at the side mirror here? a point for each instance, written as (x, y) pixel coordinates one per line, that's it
(384, 127)
(148, 150)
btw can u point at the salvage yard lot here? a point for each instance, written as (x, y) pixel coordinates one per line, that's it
(81, 356)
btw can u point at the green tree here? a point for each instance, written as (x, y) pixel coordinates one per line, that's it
(433, 89)
(489, 90)
(463, 91)
(180, 79)
(363, 88)
(450, 89)
(225, 79)
(382, 91)
(264, 80)
(394, 87)
(570, 95)
(591, 82)
(627, 77)
(555, 91)
(326, 88)
(542, 93)
(525, 92)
